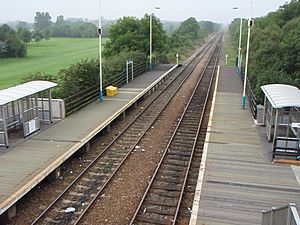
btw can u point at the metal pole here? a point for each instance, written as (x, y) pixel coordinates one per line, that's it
(100, 53)
(132, 70)
(246, 67)
(240, 49)
(127, 71)
(150, 66)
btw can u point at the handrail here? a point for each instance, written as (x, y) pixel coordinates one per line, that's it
(286, 215)
(83, 98)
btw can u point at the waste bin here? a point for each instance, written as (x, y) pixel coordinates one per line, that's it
(111, 91)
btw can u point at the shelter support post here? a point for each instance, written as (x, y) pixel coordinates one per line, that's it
(275, 130)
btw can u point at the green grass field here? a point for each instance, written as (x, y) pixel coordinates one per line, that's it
(47, 56)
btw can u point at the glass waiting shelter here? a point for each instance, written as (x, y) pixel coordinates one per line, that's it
(282, 118)
(24, 106)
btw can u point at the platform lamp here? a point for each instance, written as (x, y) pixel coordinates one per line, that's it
(250, 24)
(100, 53)
(240, 43)
(150, 56)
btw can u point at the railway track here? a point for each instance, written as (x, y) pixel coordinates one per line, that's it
(162, 199)
(85, 189)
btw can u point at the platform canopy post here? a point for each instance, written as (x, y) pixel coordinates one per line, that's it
(50, 106)
(275, 126)
(3, 128)
(265, 110)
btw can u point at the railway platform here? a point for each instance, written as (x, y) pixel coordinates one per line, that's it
(237, 181)
(29, 162)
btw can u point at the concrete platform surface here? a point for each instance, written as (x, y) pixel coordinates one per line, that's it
(236, 180)
(27, 164)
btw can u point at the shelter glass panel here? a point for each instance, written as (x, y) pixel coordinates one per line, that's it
(270, 117)
(31, 121)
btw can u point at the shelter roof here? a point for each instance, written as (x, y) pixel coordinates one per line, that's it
(24, 90)
(282, 95)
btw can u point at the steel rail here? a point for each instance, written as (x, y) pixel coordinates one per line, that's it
(104, 186)
(197, 135)
(167, 149)
(206, 48)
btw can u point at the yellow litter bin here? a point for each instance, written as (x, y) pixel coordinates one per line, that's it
(111, 91)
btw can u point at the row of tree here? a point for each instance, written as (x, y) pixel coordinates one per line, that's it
(275, 47)
(45, 28)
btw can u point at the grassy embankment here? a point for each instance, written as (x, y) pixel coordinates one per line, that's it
(47, 56)
(230, 50)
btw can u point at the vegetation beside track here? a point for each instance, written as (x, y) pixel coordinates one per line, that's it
(274, 47)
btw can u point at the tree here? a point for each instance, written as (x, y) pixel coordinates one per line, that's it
(10, 45)
(190, 28)
(159, 36)
(186, 34)
(123, 36)
(24, 34)
(42, 24)
(60, 20)
(132, 34)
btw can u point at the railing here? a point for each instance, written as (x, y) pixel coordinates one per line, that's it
(286, 215)
(81, 99)
(286, 147)
(250, 95)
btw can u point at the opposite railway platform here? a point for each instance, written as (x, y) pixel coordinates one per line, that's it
(29, 162)
(237, 181)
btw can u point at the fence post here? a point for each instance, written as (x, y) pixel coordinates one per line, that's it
(127, 71)
(131, 69)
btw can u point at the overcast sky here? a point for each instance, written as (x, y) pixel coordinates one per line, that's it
(175, 10)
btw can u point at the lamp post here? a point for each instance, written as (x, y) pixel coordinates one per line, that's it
(240, 43)
(150, 56)
(100, 53)
(250, 23)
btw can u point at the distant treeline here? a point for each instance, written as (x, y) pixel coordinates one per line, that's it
(45, 28)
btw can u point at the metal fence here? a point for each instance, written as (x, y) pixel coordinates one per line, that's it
(250, 95)
(81, 99)
(286, 215)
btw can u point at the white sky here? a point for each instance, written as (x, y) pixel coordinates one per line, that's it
(214, 10)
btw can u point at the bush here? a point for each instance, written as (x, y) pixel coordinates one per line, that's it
(78, 77)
